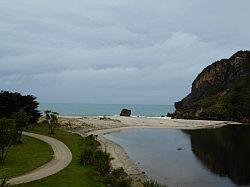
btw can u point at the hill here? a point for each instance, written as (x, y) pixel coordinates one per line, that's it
(220, 92)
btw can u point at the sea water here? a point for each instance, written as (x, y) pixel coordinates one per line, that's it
(198, 158)
(70, 109)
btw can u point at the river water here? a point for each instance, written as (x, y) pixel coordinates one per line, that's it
(197, 158)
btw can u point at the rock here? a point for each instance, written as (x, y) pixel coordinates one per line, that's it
(125, 112)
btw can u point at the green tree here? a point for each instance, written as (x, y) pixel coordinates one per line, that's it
(7, 137)
(11, 102)
(21, 121)
(52, 120)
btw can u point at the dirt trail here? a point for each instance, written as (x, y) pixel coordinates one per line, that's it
(61, 159)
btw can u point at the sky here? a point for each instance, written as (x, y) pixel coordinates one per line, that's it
(115, 51)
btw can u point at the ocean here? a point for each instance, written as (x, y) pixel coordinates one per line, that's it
(73, 109)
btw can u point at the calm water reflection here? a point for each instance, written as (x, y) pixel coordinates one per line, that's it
(225, 151)
(214, 157)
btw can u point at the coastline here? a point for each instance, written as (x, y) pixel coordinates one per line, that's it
(95, 125)
(121, 159)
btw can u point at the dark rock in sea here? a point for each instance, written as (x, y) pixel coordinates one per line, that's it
(220, 92)
(125, 112)
(179, 149)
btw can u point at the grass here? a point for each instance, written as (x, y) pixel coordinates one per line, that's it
(74, 175)
(25, 157)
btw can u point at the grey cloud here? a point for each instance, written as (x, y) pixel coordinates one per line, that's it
(114, 50)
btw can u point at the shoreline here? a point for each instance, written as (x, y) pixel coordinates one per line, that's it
(95, 125)
(121, 159)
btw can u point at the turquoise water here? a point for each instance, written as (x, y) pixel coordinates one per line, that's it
(68, 109)
(195, 158)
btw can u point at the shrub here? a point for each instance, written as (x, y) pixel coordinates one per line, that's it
(3, 182)
(90, 141)
(88, 153)
(87, 156)
(118, 178)
(102, 162)
(92, 155)
(153, 183)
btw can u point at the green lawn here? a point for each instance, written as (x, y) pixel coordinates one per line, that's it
(74, 175)
(25, 157)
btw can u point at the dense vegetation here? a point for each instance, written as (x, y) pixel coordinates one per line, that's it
(16, 113)
(11, 102)
(220, 92)
(92, 155)
(153, 183)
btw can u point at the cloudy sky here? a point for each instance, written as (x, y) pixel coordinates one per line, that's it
(115, 51)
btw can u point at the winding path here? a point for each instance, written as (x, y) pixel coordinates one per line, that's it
(61, 159)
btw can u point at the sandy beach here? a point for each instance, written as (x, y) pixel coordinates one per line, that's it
(102, 125)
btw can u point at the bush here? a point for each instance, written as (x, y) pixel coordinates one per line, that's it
(92, 155)
(87, 156)
(89, 147)
(152, 183)
(102, 162)
(118, 178)
(90, 141)
(3, 182)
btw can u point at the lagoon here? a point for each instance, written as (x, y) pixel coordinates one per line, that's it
(211, 157)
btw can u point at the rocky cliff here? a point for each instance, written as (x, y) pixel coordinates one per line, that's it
(220, 92)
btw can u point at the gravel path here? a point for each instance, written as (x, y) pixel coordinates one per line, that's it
(61, 159)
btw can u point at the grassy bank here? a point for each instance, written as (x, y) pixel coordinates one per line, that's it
(74, 175)
(25, 157)
(90, 167)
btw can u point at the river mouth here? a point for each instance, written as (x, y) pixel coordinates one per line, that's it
(199, 158)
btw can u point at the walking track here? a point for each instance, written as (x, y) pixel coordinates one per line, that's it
(61, 159)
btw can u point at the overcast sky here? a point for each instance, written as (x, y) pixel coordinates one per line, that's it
(115, 51)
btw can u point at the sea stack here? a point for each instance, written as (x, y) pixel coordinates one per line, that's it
(125, 112)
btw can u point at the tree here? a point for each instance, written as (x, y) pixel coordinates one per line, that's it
(7, 137)
(21, 121)
(52, 120)
(11, 102)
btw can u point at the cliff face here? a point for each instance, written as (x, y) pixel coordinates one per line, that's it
(220, 92)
